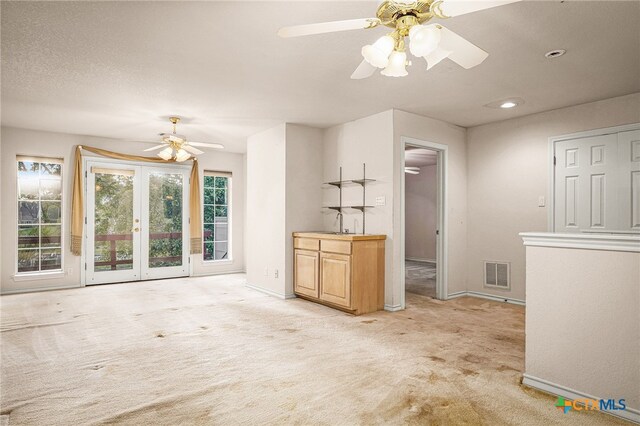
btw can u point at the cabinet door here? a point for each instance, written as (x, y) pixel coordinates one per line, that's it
(305, 272)
(335, 279)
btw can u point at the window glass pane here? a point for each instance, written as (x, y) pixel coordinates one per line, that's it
(221, 196)
(209, 181)
(221, 211)
(50, 212)
(221, 182)
(220, 251)
(51, 259)
(208, 234)
(28, 169)
(50, 169)
(221, 231)
(50, 189)
(124, 254)
(28, 189)
(51, 236)
(209, 214)
(208, 251)
(209, 195)
(28, 260)
(28, 212)
(28, 236)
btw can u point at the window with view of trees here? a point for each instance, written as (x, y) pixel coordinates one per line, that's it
(39, 214)
(216, 215)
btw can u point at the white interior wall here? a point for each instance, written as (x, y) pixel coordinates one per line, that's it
(265, 244)
(508, 170)
(421, 196)
(436, 131)
(47, 144)
(368, 140)
(284, 181)
(303, 188)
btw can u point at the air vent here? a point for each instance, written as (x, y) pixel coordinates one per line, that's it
(496, 274)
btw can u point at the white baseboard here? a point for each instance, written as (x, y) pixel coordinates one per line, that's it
(486, 296)
(393, 308)
(211, 274)
(630, 414)
(34, 290)
(271, 292)
(417, 259)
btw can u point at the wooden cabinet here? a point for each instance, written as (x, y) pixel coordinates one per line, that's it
(342, 271)
(335, 276)
(305, 270)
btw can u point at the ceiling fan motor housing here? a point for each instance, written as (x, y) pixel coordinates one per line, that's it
(393, 13)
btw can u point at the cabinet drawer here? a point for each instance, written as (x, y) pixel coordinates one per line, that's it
(335, 246)
(306, 243)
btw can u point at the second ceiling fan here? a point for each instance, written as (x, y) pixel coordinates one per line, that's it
(432, 42)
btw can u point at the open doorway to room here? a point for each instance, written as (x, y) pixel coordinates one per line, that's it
(421, 202)
(423, 229)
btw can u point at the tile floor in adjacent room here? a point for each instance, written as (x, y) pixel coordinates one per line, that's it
(209, 350)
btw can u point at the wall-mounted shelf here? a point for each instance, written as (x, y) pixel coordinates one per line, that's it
(341, 183)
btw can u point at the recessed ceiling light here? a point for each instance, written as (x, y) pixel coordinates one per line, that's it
(508, 104)
(555, 53)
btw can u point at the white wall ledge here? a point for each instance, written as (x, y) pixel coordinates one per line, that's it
(586, 241)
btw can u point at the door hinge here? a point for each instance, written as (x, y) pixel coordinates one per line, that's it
(85, 173)
(85, 266)
(437, 232)
(85, 220)
(554, 160)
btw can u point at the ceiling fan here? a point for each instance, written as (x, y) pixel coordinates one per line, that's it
(177, 146)
(432, 42)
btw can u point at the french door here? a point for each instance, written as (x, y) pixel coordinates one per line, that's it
(136, 222)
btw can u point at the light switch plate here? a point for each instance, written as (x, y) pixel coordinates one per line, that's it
(381, 201)
(541, 201)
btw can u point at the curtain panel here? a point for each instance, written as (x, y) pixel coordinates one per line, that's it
(77, 197)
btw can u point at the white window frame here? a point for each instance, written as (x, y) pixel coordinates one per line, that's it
(49, 273)
(229, 241)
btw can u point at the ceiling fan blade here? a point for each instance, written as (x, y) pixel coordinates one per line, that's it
(451, 8)
(435, 57)
(364, 70)
(328, 27)
(207, 145)
(192, 150)
(463, 52)
(162, 145)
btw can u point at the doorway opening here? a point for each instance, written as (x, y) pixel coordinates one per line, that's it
(423, 245)
(136, 224)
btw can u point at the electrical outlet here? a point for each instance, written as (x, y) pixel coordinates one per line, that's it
(276, 274)
(381, 201)
(69, 271)
(541, 201)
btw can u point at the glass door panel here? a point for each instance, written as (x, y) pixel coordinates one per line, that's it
(113, 224)
(165, 249)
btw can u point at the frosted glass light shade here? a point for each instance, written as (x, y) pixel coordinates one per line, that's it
(423, 40)
(397, 65)
(182, 155)
(166, 154)
(377, 54)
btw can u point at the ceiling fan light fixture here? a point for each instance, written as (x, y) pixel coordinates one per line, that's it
(377, 54)
(182, 155)
(397, 65)
(423, 39)
(166, 154)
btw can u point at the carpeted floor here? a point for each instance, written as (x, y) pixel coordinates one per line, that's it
(210, 351)
(420, 278)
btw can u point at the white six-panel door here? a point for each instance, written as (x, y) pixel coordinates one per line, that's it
(597, 183)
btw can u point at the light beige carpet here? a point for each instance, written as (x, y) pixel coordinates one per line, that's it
(211, 351)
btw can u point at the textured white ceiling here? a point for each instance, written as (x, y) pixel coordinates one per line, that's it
(114, 68)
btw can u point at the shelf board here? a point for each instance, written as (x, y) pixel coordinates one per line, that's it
(339, 183)
(336, 208)
(361, 208)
